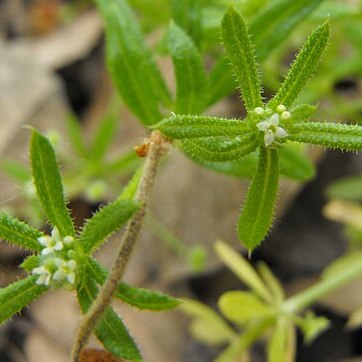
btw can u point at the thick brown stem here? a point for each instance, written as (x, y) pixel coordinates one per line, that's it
(157, 147)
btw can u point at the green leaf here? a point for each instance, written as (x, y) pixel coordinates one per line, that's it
(129, 192)
(348, 188)
(191, 93)
(19, 233)
(278, 344)
(272, 282)
(131, 63)
(276, 21)
(207, 326)
(16, 170)
(269, 29)
(187, 14)
(18, 295)
(303, 68)
(295, 165)
(257, 214)
(333, 135)
(103, 137)
(31, 262)
(76, 135)
(242, 269)
(312, 326)
(190, 126)
(240, 52)
(219, 149)
(110, 329)
(221, 81)
(105, 222)
(303, 112)
(242, 307)
(137, 297)
(49, 184)
(126, 162)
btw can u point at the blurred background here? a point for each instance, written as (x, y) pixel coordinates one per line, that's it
(53, 77)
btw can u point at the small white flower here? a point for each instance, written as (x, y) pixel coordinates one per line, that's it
(50, 244)
(65, 270)
(44, 276)
(271, 129)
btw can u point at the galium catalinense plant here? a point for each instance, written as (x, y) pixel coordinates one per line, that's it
(64, 258)
(267, 128)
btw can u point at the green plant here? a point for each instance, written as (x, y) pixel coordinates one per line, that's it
(267, 127)
(262, 146)
(63, 259)
(265, 308)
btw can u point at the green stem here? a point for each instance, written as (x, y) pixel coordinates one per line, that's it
(158, 146)
(323, 287)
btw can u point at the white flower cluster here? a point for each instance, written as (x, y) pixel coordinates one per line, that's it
(270, 126)
(56, 267)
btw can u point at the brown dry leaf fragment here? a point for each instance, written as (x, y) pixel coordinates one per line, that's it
(97, 355)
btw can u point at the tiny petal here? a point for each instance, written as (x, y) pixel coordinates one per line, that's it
(263, 126)
(58, 246)
(281, 108)
(44, 240)
(72, 264)
(280, 132)
(274, 119)
(285, 115)
(55, 234)
(269, 138)
(71, 277)
(259, 111)
(47, 251)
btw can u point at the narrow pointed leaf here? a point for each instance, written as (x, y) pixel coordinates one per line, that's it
(16, 170)
(110, 329)
(219, 149)
(187, 14)
(269, 29)
(103, 137)
(105, 222)
(49, 184)
(333, 135)
(191, 92)
(76, 136)
(242, 269)
(221, 81)
(31, 262)
(295, 165)
(131, 63)
(276, 21)
(129, 192)
(277, 347)
(207, 326)
(18, 295)
(19, 233)
(303, 112)
(303, 67)
(272, 282)
(137, 297)
(241, 54)
(190, 126)
(257, 214)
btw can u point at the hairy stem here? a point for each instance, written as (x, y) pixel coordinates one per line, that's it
(157, 147)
